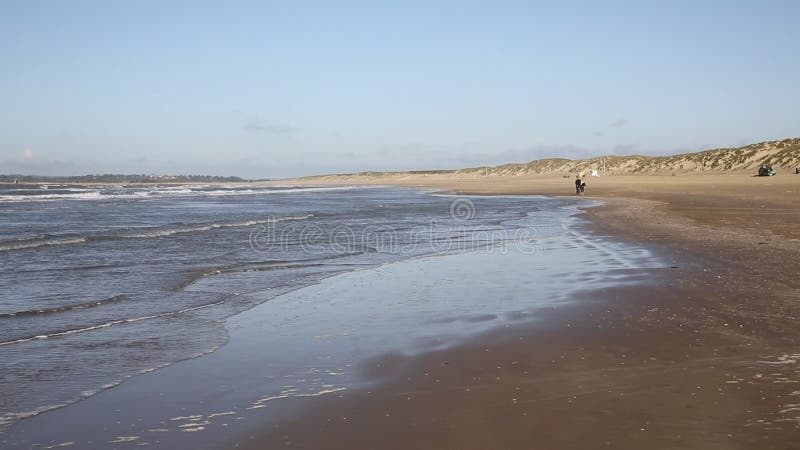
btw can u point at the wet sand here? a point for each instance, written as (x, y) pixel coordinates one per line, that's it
(708, 358)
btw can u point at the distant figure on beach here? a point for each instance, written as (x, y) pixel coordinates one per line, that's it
(766, 170)
(579, 185)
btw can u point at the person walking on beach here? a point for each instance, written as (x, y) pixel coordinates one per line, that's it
(579, 185)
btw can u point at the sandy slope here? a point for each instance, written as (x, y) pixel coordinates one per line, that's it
(783, 155)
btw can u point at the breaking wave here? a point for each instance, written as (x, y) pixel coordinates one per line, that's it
(92, 304)
(157, 232)
(119, 192)
(115, 322)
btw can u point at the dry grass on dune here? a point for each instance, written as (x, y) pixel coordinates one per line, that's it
(783, 155)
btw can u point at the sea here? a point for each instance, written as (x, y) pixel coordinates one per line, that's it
(102, 284)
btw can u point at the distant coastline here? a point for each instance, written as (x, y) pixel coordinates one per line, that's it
(121, 179)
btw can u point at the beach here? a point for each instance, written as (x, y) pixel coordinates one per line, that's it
(706, 358)
(662, 316)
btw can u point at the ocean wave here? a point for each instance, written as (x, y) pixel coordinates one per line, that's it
(111, 323)
(26, 243)
(260, 266)
(92, 304)
(8, 418)
(241, 268)
(209, 226)
(30, 242)
(84, 195)
(120, 192)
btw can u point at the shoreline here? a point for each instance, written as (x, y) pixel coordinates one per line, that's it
(709, 360)
(285, 311)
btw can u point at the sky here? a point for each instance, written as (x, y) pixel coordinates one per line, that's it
(268, 89)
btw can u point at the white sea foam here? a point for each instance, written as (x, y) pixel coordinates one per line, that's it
(290, 393)
(117, 192)
(63, 444)
(194, 424)
(192, 417)
(211, 226)
(32, 243)
(228, 413)
(84, 195)
(111, 323)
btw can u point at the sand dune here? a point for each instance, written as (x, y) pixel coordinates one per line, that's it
(783, 155)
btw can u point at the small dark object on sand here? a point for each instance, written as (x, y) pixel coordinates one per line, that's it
(766, 170)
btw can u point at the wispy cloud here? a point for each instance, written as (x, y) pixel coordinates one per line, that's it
(618, 122)
(256, 125)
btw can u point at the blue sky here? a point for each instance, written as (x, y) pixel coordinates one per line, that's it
(275, 89)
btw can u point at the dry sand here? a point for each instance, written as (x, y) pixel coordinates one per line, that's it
(708, 358)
